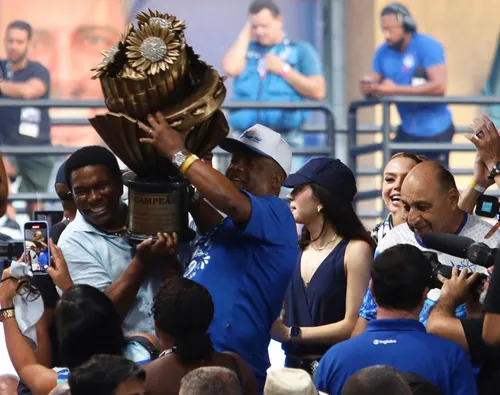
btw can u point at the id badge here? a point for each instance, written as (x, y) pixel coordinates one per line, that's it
(29, 129)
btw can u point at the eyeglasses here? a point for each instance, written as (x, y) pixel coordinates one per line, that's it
(25, 289)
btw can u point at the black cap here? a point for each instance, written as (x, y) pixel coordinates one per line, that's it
(329, 173)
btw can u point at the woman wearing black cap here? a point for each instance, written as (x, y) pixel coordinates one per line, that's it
(333, 270)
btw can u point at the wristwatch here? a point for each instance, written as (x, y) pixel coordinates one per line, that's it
(294, 332)
(180, 157)
(6, 313)
(495, 171)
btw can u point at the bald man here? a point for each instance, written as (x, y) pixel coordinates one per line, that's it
(8, 384)
(430, 197)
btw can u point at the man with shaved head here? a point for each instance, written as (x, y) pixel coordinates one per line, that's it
(430, 197)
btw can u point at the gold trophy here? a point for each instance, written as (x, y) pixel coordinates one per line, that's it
(152, 69)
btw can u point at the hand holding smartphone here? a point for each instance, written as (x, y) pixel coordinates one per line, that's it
(36, 246)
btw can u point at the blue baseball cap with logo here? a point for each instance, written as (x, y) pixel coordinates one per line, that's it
(329, 173)
(262, 141)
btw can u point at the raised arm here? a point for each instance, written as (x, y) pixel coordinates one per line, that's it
(211, 184)
(477, 186)
(234, 61)
(85, 269)
(39, 379)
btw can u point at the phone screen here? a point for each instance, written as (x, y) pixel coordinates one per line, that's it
(36, 246)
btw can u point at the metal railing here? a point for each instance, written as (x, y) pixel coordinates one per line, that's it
(387, 146)
(329, 128)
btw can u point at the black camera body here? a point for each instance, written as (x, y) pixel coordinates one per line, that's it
(446, 271)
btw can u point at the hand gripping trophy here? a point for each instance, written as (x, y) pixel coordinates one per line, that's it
(152, 69)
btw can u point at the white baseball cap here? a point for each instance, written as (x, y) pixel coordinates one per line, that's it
(287, 381)
(263, 141)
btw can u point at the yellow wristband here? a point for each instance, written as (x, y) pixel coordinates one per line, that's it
(477, 187)
(188, 162)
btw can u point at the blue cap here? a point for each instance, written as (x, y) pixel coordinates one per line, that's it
(329, 173)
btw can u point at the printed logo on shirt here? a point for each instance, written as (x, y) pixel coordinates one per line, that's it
(408, 62)
(251, 134)
(384, 342)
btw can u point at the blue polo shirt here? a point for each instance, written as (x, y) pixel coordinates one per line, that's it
(403, 344)
(422, 52)
(247, 271)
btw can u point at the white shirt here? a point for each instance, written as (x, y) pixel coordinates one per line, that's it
(472, 227)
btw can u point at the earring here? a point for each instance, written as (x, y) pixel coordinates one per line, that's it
(319, 209)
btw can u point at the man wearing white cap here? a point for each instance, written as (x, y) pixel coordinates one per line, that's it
(247, 259)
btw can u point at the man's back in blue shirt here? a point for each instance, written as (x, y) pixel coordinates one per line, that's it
(403, 344)
(422, 52)
(247, 270)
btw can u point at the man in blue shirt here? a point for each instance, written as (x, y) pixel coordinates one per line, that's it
(245, 260)
(401, 278)
(410, 63)
(271, 68)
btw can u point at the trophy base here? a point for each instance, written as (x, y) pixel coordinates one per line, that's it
(157, 206)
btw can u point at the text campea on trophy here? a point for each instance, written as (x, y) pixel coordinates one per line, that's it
(152, 69)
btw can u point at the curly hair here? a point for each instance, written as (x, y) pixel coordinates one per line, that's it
(183, 309)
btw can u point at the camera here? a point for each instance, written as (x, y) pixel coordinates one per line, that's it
(462, 247)
(446, 271)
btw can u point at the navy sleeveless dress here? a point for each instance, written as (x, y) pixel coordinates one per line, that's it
(322, 302)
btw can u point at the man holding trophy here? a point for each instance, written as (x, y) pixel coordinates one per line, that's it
(164, 114)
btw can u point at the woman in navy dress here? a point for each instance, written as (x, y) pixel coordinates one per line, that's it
(333, 270)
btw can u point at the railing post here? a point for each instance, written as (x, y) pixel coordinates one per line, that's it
(386, 142)
(352, 125)
(330, 130)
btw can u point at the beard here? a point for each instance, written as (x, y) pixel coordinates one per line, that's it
(397, 45)
(20, 58)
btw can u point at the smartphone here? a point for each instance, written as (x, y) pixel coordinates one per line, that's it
(36, 246)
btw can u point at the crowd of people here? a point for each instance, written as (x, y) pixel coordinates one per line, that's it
(356, 312)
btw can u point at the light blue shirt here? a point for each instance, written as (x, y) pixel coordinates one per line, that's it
(97, 259)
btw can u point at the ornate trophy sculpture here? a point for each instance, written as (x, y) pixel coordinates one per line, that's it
(152, 69)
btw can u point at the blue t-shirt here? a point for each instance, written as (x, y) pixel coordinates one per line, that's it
(247, 271)
(405, 345)
(254, 84)
(422, 52)
(368, 309)
(26, 125)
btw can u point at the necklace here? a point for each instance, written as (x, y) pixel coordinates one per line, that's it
(326, 245)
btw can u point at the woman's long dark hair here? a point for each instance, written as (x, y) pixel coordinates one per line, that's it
(87, 324)
(340, 215)
(184, 310)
